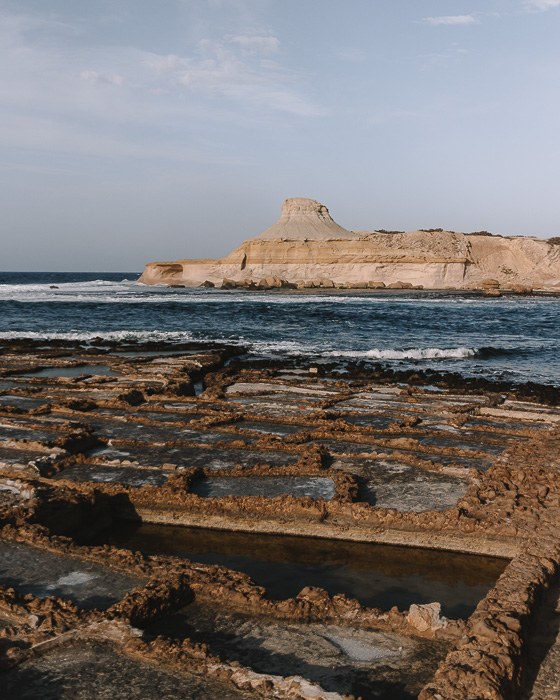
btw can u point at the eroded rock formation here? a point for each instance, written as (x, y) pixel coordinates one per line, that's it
(307, 248)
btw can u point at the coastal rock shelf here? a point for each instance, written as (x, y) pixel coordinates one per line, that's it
(217, 524)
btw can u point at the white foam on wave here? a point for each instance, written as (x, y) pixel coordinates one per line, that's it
(422, 354)
(88, 336)
(68, 291)
(132, 292)
(285, 347)
(388, 354)
(63, 286)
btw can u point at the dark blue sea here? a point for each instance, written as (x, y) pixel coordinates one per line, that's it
(508, 338)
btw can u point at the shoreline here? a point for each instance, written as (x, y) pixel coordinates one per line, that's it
(397, 292)
(363, 290)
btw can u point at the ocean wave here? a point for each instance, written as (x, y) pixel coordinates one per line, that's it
(126, 296)
(487, 352)
(423, 354)
(88, 336)
(131, 292)
(62, 286)
(275, 348)
(118, 296)
(383, 354)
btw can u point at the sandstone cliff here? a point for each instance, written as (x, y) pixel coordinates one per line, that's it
(305, 244)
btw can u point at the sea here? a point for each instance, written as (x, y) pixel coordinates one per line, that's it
(514, 339)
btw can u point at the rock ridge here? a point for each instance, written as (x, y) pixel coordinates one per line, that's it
(306, 244)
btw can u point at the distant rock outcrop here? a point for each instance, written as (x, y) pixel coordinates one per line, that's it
(306, 248)
(305, 220)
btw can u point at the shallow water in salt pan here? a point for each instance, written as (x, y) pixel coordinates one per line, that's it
(377, 575)
(129, 476)
(340, 659)
(314, 487)
(42, 573)
(12, 432)
(103, 370)
(96, 672)
(21, 401)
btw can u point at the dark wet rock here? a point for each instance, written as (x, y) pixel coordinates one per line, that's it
(98, 672)
(132, 397)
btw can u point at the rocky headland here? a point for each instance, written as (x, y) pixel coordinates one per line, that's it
(306, 248)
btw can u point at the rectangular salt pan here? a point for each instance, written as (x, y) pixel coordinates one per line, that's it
(362, 662)
(376, 575)
(153, 456)
(280, 429)
(21, 401)
(266, 486)
(103, 370)
(400, 486)
(141, 432)
(94, 671)
(129, 476)
(43, 574)
(12, 432)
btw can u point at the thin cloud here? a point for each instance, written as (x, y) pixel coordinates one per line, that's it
(233, 68)
(541, 5)
(164, 64)
(92, 76)
(73, 97)
(452, 19)
(262, 45)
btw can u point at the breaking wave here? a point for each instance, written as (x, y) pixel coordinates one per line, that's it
(87, 337)
(274, 348)
(127, 291)
(423, 354)
(469, 335)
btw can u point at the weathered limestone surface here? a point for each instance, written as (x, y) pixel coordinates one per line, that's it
(175, 620)
(305, 244)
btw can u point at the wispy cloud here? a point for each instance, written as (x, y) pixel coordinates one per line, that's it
(234, 68)
(262, 45)
(61, 94)
(541, 5)
(165, 64)
(452, 19)
(92, 76)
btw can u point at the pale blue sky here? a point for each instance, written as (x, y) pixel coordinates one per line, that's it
(136, 130)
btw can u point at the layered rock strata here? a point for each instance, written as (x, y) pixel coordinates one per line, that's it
(306, 248)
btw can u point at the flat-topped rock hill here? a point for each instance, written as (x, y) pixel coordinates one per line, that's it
(305, 220)
(307, 248)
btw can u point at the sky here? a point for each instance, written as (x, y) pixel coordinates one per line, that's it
(134, 131)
